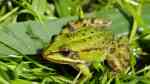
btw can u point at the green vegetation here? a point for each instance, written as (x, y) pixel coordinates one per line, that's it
(27, 26)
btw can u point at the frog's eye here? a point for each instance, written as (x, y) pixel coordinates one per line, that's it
(69, 53)
(65, 53)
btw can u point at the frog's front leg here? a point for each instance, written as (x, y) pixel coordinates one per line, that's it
(78, 64)
(86, 74)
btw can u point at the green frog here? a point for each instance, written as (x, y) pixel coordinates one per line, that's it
(88, 46)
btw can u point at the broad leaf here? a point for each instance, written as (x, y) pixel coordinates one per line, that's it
(28, 37)
(120, 24)
(20, 81)
(146, 14)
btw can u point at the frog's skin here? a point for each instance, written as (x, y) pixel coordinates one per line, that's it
(86, 47)
(88, 22)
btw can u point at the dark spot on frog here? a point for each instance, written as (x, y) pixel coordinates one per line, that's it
(91, 32)
(84, 25)
(53, 38)
(112, 65)
(92, 20)
(90, 37)
(84, 39)
(67, 35)
(103, 42)
(72, 28)
(90, 49)
(121, 45)
(112, 50)
(83, 34)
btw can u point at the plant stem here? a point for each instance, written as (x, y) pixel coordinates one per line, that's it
(137, 22)
(133, 31)
(9, 14)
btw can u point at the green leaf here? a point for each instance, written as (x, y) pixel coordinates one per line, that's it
(28, 37)
(69, 7)
(39, 6)
(120, 23)
(63, 7)
(145, 37)
(146, 14)
(20, 81)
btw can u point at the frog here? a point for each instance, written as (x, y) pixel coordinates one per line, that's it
(88, 46)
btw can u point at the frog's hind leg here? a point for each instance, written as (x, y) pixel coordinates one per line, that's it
(86, 74)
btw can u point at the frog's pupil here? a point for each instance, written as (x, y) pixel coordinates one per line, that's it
(65, 53)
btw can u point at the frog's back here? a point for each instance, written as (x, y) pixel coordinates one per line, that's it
(82, 39)
(86, 38)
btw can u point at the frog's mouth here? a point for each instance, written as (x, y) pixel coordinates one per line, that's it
(58, 58)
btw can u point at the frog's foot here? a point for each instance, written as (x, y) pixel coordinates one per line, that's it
(86, 74)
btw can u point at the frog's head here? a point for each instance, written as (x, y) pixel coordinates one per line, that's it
(62, 59)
